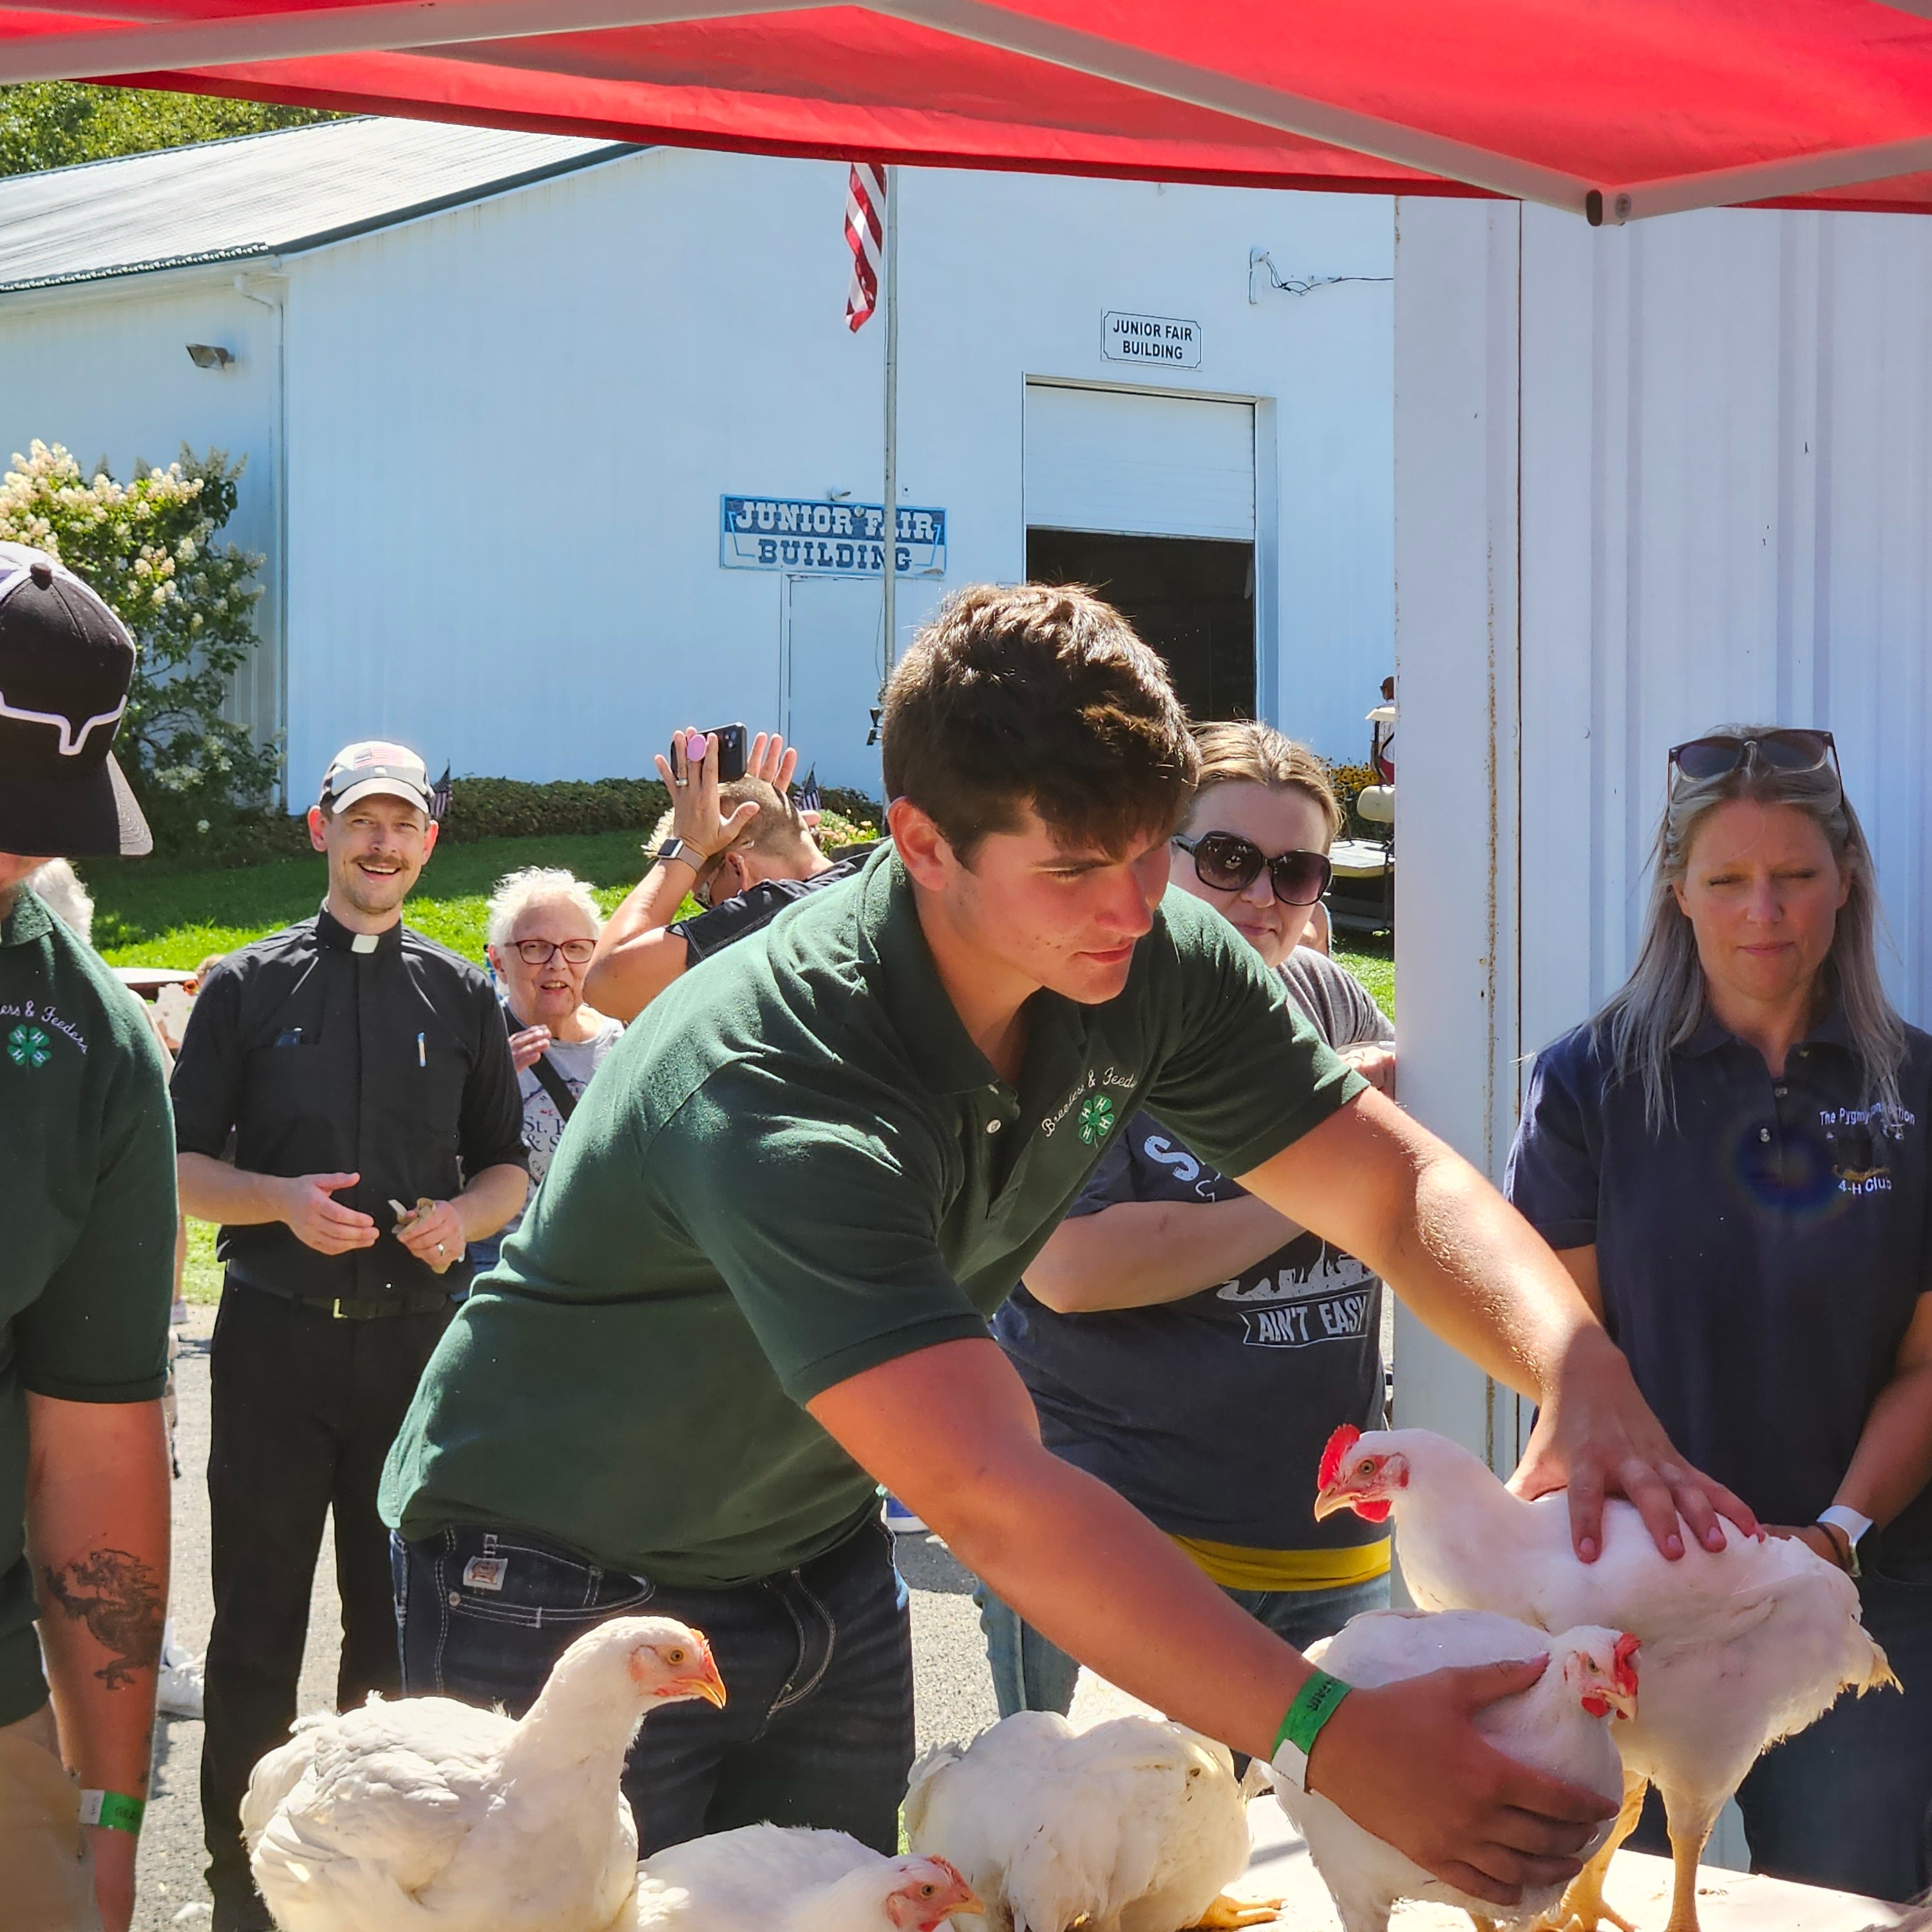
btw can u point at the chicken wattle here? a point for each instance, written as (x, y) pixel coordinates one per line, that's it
(1558, 1726)
(425, 1812)
(1740, 1647)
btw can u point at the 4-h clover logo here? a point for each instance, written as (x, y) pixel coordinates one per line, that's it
(28, 1046)
(1097, 1118)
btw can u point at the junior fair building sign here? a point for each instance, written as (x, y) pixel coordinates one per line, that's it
(812, 538)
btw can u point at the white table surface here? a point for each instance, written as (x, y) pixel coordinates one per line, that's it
(1639, 1888)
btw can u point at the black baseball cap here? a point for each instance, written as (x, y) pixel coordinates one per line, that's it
(65, 663)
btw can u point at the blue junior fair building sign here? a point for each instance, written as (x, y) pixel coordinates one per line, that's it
(810, 538)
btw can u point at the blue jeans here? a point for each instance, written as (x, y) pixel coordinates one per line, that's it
(1031, 1674)
(817, 1662)
(1845, 1804)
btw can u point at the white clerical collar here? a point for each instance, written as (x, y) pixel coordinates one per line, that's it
(364, 942)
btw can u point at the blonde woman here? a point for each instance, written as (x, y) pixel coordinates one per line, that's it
(1730, 1158)
(1171, 1308)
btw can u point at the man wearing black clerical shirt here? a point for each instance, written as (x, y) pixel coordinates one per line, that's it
(365, 1077)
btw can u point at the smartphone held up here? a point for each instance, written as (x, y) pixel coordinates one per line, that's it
(732, 752)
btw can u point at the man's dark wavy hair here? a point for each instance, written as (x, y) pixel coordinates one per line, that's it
(1041, 695)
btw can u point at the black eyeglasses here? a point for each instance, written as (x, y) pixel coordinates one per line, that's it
(541, 951)
(1701, 760)
(1230, 863)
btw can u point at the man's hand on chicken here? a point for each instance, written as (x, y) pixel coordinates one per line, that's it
(1596, 1437)
(951, 1430)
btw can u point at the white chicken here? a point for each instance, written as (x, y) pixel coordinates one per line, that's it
(1559, 1725)
(1135, 1825)
(764, 1878)
(423, 1813)
(1741, 1647)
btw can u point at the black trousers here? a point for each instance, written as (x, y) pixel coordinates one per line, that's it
(303, 1409)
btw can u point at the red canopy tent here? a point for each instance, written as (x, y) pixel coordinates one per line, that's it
(1615, 109)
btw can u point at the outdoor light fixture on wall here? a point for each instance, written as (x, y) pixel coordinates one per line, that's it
(209, 355)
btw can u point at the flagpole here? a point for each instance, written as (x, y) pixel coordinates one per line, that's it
(888, 580)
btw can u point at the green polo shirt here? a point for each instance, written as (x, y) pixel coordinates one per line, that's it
(795, 1166)
(87, 1200)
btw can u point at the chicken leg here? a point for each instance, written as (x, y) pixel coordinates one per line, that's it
(1689, 1822)
(1230, 1915)
(1583, 1908)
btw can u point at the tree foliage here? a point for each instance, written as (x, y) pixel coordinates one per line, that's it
(55, 123)
(147, 548)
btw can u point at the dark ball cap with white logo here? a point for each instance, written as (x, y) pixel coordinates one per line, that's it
(65, 663)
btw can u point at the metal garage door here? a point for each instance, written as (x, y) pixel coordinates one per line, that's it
(1140, 465)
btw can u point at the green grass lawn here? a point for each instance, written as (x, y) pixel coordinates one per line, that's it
(160, 915)
(1373, 961)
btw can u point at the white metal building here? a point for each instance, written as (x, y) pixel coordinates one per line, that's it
(1648, 480)
(495, 389)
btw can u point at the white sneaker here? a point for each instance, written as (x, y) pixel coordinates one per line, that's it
(179, 1694)
(901, 1521)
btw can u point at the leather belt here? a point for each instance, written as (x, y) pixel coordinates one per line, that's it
(349, 1308)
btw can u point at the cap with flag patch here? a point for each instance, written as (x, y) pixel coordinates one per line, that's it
(66, 662)
(375, 766)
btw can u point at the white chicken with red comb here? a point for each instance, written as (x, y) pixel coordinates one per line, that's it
(1560, 1725)
(770, 1878)
(1740, 1647)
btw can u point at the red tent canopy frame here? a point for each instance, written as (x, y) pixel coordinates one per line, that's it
(1614, 109)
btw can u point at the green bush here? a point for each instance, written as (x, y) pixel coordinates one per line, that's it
(491, 809)
(148, 550)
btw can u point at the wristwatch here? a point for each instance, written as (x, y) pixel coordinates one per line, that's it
(675, 851)
(1851, 1525)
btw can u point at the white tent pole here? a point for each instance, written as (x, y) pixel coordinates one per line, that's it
(888, 576)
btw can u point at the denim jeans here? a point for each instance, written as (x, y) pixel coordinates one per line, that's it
(817, 1661)
(1031, 1674)
(1844, 1804)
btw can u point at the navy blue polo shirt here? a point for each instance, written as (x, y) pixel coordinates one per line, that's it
(1760, 1259)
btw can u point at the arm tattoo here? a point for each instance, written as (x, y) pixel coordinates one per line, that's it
(116, 1596)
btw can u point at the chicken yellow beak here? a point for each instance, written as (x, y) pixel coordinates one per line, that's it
(1331, 1501)
(705, 1682)
(970, 1907)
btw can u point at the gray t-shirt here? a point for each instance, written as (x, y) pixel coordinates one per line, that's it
(1166, 1404)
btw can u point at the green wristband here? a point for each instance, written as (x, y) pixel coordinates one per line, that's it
(114, 1810)
(1318, 1700)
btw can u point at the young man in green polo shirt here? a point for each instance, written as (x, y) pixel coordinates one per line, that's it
(756, 1278)
(87, 1199)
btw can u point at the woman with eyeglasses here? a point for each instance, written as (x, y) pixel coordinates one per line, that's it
(1730, 1158)
(1173, 1322)
(542, 929)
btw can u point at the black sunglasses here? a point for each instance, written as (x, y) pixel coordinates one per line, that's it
(1230, 863)
(1701, 760)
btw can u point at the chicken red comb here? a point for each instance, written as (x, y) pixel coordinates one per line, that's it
(1624, 1662)
(1336, 1453)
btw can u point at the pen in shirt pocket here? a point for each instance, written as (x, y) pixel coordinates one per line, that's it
(422, 1054)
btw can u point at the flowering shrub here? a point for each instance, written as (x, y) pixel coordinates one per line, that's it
(147, 548)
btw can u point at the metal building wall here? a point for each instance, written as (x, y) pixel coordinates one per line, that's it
(1648, 480)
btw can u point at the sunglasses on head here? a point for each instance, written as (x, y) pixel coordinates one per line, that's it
(1699, 761)
(1228, 863)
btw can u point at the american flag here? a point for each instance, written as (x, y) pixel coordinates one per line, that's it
(865, 235)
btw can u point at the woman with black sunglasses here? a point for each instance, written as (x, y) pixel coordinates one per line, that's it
(1172, 1313)
(1730, 1158)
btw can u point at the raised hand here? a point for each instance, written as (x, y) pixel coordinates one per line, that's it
(690, 774)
